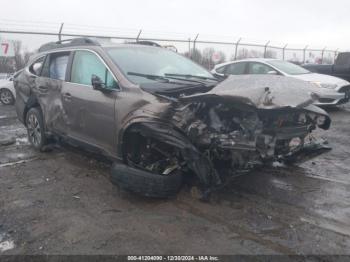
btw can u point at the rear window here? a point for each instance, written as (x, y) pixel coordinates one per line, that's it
(236, 68)
(55, 66)
(58, 66)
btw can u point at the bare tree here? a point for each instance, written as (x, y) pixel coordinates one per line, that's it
(242, 53)
(12, 64)
(207, 56)
(195, 55)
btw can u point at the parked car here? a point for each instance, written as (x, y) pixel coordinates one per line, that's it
(333, 90)
(340, 68)
(4, 76)
(7, 91)
(162, 117)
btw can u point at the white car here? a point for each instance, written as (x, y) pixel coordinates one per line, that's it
(7, 91)
(334, 90)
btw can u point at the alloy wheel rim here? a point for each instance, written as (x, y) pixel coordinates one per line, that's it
(6, 97)
(34, 130)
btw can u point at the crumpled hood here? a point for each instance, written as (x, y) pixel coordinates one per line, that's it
(264, 91)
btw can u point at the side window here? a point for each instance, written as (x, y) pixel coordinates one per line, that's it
(236, 69)
(259, 69)
(86, 64)
(58, 65)
(36, 67)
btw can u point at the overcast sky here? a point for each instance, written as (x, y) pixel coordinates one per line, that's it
(317, 23)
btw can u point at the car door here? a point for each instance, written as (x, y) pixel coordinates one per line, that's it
(49, 86)
(25, 84)
(90, 113)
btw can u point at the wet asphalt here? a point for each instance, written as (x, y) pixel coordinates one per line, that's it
(62, 202)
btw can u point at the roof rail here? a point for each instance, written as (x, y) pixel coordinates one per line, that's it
(68, 43)
(149, 43)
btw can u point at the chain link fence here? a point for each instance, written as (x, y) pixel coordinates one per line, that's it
(207, 50)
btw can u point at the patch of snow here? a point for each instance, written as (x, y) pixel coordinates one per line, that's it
(6, 245)
(21, 140)
(278, 164)
(17, 162)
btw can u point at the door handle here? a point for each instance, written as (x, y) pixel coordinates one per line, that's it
(43, 88)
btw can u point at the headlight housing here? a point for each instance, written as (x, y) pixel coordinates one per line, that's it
(325, 85)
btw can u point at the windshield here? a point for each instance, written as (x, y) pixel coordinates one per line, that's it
(288, 68)
(153, 61)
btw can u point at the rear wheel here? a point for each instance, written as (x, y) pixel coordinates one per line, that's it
(35, 128)
(6, 97)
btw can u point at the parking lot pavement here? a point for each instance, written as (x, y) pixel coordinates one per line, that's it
(62, 202)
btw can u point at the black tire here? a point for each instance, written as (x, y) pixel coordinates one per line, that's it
(36, 128)
(146, 183)
(6, 97)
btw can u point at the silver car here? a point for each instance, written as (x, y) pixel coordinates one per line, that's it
(7, 91)
(334, 90)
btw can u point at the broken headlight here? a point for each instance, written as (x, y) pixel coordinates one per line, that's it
(295, 143)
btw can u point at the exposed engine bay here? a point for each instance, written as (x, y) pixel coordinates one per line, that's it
(216, 139)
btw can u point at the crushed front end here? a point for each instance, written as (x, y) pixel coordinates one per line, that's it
(231, 130)
(235, 137)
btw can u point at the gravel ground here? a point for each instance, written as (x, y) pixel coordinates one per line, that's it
(62, 202)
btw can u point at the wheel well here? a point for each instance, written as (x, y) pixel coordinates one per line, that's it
(4, 88)
(147, 150)
(125, 138)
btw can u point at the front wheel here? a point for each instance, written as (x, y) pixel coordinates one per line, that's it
(6, 97)
(35, 128)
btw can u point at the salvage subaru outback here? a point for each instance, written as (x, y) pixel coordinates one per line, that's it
(162, 117)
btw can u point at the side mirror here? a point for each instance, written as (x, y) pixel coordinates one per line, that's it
(272, 72)
(218, 75)
(97, 83)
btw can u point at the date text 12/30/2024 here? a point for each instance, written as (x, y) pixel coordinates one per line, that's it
(173, 258)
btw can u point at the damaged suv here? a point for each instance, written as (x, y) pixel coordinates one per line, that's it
(162, 117)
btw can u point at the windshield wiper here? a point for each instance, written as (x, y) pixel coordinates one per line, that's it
(192, 76)
(165, 78)
(148, 76)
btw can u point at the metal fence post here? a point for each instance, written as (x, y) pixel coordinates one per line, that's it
(322, 54)
(236, 49)
(60, 32)
(283, 51)
(335, 54)
(194, 45)
(265, 48)
(189, 47)
(304, 55)
(138, 35)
